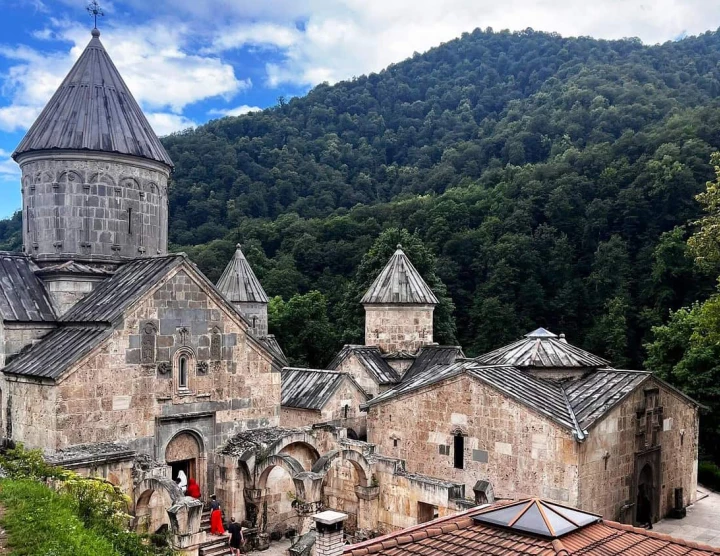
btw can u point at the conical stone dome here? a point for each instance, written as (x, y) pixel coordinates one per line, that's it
(239, 285)
(399, 282)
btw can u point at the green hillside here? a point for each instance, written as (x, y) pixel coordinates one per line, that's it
(546, 175)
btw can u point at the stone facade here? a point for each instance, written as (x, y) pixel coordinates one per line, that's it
(608, 458)
(348, 395)
(256, 314)
(14, 336)
(121, 392)
(518, 451)
(86, 205)
(66, 291)
(396, 328)
(354, 367)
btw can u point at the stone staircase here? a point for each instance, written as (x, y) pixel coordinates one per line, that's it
(214, 546)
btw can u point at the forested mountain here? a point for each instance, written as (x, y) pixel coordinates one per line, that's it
(551, 178)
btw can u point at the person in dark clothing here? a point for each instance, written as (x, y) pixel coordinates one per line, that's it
(644, 508)
(236, 537)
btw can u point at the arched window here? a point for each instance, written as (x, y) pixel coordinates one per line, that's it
(459, 451)
(183, 366)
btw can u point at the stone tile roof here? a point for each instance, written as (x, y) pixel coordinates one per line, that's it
(399, 282)
(271, 343)
(73, 268)
(465, 534)
(575, 405)
(371, 359)
(57, 351)
(238, 281)
(23, 297)
(94, 110)
(542, 349)
(431, 355)
(311, 388)
(107, 302)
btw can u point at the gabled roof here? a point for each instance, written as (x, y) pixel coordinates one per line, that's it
(542, 349)
(23, 297)
(311, 388)
(466, 534)
(51, 356)
(399, 282)
(94, 110)
(575, 405)
(271, 343)
(238, 281)
(370, 357)
(431, 355)
(73, 268)
(132, 280)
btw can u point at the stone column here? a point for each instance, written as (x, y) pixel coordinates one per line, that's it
(185, 516)
(330, 539)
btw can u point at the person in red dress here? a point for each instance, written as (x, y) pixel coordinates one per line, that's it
(193, 489)
(216, 524)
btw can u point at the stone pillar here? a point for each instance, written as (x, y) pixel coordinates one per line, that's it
(330, 539)
(185, 517)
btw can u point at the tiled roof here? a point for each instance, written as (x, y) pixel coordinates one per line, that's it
(238, 281)
(57, 351)
(575, 405)
(594, 395)
(23, 297)
(108, 301)
(310, 388)
(71, 267)
(371, 359)
(94, 110)
(431, 355)
(542, 349)
(399, 282)
(464, 534)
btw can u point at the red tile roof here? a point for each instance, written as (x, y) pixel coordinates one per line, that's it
(460, 535)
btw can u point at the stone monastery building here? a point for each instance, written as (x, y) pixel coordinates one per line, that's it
(121, 360)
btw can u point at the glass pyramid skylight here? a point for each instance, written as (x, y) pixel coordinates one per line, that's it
(538, 517)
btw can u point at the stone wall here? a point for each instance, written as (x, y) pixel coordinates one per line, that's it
(121, 393)
(517, 450)
(65, 292)
(357, 370)
(256, 314)
(93, 205)
(15, 336)
(28, 413)
(398, 327)
(607, 457)
(348, 394)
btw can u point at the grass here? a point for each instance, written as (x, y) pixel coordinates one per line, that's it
(40, 522)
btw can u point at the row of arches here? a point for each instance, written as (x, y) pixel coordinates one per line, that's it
(78, 177)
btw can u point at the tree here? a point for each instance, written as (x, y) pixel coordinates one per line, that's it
(303, 329)
(705, 242)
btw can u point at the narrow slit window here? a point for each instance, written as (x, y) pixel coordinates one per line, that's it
(183, 372)
(459, 452)
(346, 408)
(27, 213)
(130, 220)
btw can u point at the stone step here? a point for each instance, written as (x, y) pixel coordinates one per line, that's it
(216, 546)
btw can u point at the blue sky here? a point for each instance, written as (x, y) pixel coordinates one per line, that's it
(189, 61)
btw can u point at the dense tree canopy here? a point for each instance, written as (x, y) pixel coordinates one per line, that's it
(549, 177)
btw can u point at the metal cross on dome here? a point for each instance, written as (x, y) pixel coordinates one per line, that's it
(93, 8)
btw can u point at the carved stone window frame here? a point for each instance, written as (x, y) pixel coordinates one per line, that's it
(188, 355)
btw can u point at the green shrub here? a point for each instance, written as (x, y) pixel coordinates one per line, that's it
(709, 475)
(40, 521)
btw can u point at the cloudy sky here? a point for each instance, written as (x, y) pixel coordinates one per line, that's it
(189, 61)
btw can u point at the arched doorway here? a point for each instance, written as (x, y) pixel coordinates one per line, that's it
(645, 495)
(184, 453)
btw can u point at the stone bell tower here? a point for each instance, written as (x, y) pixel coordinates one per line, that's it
(399, 308)
(94, 174)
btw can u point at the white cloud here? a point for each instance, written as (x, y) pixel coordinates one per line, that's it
(344, 38)
(237, 111)
(154, 60)
(164, 123)
(9, 170)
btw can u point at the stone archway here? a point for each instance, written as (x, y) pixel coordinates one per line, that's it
(645, 488)
(185, 453)
(152, 499)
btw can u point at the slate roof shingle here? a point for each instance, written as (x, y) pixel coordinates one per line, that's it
(310, 388)
(62, 347)
(94, 110)
(23, 297)
(542, 349)
(238, 281)
(463, 534)
(399, 282)
(371, 359)
(108, 301)
(576, 405)
(431, 355)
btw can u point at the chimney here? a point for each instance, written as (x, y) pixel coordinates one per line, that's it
(330, 539)
(562, 339)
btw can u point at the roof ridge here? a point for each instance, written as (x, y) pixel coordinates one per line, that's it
(559, 549)
(660, 536)
(327, 371)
